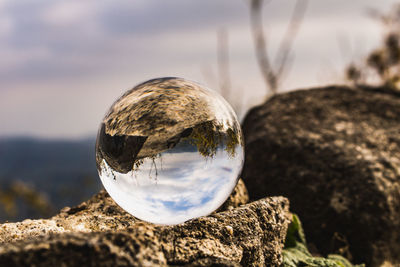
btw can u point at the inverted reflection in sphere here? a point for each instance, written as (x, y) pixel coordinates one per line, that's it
(169, 150)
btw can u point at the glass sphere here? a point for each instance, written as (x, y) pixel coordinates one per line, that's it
(169, 150)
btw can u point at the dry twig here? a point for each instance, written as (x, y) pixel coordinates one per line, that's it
(274, 72)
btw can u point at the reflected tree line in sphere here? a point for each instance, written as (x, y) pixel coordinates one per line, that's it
(122, 152)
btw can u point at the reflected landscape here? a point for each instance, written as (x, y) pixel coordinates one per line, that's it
(169, 151)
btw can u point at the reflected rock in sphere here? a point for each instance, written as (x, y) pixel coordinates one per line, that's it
(169, 150)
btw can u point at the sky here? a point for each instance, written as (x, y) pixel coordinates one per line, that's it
(64, 62)
(174, 194)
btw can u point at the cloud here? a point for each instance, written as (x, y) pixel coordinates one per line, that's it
(154, 17)
(86, 53)
(68, 13)
(6, 26)
(187, 186)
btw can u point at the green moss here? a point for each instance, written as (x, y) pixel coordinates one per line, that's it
(296, 254)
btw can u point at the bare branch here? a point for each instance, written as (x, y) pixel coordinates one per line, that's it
(273, 74)
(261, 45)
(285, 46)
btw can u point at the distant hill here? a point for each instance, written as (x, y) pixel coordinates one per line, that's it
(63, 171)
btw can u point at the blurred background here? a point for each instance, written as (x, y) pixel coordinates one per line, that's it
(63, 63)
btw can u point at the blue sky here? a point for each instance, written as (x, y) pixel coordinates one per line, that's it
(64, 62)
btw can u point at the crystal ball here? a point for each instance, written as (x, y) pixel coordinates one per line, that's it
(169, 150)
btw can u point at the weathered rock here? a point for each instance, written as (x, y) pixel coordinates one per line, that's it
(100, 213)
(138, 247)
(214, 262)
(251, 235)
(100, 233)
(335, 153)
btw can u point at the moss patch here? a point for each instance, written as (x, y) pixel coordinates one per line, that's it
(296, 254)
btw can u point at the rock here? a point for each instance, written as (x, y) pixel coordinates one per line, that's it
(133, 248)
(215, 262)
(335, 153)
(100, 233)
(100, 213)
(251, 235)
(28, 229)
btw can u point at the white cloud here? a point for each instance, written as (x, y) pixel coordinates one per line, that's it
(6, 26)
(68, 13)
(4, 3)
(179, 193)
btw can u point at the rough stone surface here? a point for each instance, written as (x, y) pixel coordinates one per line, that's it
(252, 235)
(100, 213)
(335, 153)
(99, 233)
(214, 262)
(136, 247)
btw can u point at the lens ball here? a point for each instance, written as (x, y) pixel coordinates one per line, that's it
(169, 150)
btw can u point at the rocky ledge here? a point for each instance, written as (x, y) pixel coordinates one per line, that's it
(100, 233)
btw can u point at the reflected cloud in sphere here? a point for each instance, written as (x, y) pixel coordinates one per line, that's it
(169, 150)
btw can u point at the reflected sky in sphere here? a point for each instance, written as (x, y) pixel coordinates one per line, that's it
(169, 151)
